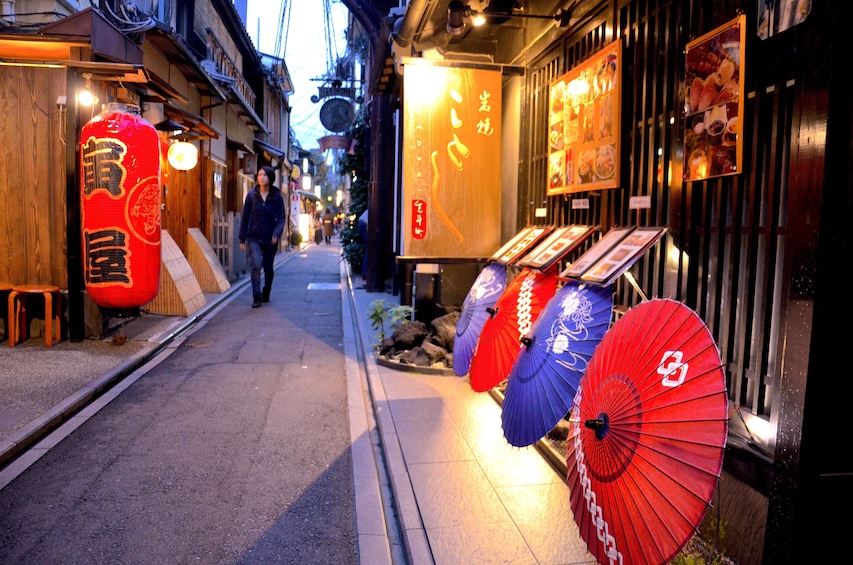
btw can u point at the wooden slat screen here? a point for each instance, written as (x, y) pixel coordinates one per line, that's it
(723, 254)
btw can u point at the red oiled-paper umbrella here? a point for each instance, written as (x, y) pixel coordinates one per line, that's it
(512, 318)
(647, 435)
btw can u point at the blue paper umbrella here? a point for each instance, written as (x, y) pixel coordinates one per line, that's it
(549, 367)
(476, 309)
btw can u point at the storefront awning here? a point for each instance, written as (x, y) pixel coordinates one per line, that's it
(272, 149)
(284, 163)
(197, 127)
(237, 145)
(306, 194)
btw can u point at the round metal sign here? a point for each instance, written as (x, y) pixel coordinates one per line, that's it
(337, 115)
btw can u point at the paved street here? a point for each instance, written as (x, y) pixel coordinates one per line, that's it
(235, 448)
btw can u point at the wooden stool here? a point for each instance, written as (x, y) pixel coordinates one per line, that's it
(5, 288)
(18, 312)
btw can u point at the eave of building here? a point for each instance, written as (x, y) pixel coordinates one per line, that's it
(197, 126)
(243, 109)
(179, 55)
(66, 42)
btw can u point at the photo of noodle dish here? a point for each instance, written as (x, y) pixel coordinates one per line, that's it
(556, 136)
(555, 169)
(605, 162)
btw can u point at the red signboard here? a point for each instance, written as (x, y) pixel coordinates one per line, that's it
(419, 219)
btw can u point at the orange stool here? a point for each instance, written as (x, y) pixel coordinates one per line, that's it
(5, 287)
(18, 311)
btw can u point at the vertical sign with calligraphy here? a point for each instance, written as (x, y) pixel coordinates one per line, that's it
(451, 155)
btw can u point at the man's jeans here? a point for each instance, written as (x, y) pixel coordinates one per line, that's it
(261, 256)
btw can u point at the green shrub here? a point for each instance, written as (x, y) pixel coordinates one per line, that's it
(382, 313)
(352, 248)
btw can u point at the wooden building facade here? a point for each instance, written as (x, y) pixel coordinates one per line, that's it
(194, 74)
(758, 252)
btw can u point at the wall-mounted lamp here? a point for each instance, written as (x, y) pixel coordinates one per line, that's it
(85, 97)
(183, 155)
(457, 12)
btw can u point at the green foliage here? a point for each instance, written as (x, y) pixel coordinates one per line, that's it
(352, 248)
(382, 313)
(355, 165)
(295, 238)
(699, 551)
(399, 315)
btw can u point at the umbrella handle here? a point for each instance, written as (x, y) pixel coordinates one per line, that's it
(598, 425)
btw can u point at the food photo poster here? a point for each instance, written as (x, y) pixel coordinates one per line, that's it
(584, 124)
(714, 90)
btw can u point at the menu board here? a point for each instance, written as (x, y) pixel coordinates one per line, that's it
(596, 252)
(520, 244)
(556, 246)
(584, 123)
(622, 255)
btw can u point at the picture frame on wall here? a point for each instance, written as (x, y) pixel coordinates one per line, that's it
(715, 67)
(584, 120)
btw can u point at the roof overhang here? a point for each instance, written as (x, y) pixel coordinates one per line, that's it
(306, 194)
(90, 27)
(164, 40)
(271, 149)
(237, 145)
(197, 127)
(244, 109)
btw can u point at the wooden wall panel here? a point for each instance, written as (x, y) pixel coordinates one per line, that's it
(183, 204)
(32, 176)
(739, 247)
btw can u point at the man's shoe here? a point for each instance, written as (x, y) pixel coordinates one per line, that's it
(265, 295)
(256, 301)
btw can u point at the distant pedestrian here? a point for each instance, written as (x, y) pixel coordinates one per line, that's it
(261, 227)
(318, 228)
(328, 226)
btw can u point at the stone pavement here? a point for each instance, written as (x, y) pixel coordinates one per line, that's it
(435, 480)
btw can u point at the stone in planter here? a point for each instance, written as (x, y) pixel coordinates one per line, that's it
(409, 335)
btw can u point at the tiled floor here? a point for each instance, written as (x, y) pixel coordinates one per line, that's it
(472, 497)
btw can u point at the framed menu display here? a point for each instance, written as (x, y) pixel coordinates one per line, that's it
(714, 86)
(596, 252)
(622, 255)
(584, 117)
(520, 244)
(556, 246)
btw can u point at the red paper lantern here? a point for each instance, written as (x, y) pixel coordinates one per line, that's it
(120, 207)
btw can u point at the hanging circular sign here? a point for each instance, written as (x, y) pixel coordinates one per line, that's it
(337, 115)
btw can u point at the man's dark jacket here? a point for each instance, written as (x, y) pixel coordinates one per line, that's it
(262, 219)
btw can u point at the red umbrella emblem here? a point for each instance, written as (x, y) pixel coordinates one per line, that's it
(512, 318)
(649, 425)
